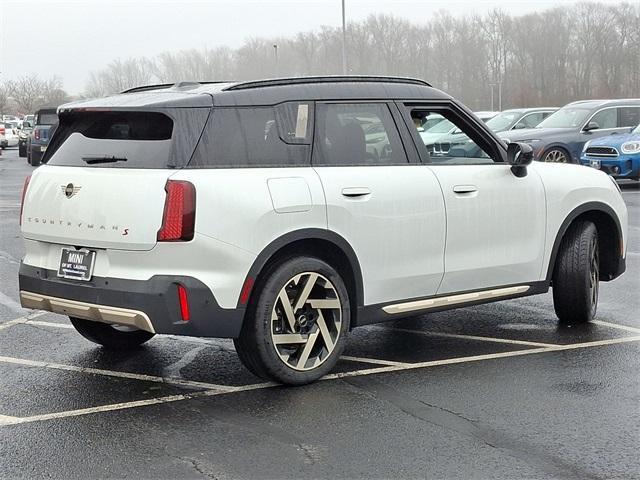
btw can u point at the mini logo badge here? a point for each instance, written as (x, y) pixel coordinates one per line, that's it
(70, 190)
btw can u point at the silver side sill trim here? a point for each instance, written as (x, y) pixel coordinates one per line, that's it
(451, 300)
(87, 311)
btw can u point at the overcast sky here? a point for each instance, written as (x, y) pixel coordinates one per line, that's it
(70, 38)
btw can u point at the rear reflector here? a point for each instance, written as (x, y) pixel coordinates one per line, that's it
(246, 290)
(179, 218)
(184, 303)
(24, 192)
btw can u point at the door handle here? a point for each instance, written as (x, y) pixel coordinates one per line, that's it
(465, 189)
(353, 192)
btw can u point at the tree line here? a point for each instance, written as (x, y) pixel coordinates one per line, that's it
(549, 58)
(546, 58)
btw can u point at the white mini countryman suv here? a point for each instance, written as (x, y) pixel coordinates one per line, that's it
(283, 213)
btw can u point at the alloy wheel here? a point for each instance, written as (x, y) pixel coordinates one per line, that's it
(555, 156)
(305, 321)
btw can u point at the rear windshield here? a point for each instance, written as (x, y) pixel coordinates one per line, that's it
(121, 139)
(47, 119)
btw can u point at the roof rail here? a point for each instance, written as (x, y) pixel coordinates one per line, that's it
(276, 82)
(183, 85)
(144, 88)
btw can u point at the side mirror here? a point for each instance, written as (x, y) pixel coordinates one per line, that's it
(591, 126)
(519, 126)
(519, 155)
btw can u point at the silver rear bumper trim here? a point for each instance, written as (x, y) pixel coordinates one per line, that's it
(87, 311)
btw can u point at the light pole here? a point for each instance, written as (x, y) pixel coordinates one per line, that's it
(344, 41)
(275, 52)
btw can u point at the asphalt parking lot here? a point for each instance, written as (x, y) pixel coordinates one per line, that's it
(493, 391)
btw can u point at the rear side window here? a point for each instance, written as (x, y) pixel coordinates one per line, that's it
(126, 139)
(255, 137)
(629, 116)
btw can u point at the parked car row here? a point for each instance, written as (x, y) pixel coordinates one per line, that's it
(31, 134)
(597, 133)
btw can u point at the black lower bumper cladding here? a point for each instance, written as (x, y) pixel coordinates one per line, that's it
(157, 297)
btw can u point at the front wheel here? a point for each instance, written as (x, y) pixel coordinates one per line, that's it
(556, 155)
(576, 275)
(296, 325)
(112, 337)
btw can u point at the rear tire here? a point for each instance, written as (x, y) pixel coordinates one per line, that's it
(109, 336)
(295, 328)
(576, 274)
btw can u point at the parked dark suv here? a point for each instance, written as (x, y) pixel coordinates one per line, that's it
(561, 137)
(45, 123)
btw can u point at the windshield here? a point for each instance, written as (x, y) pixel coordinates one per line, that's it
(569, 117)
(503, 121)
(441, 127)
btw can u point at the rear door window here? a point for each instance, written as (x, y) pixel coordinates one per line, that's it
(277, 136)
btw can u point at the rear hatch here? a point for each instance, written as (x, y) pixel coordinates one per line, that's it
(103, 181)
(44, 126)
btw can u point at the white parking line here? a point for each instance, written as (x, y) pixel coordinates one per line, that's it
(23, 319)
(41, 323)
(617, 325)
(214, 341)
(6, 420)
(111, 373)
(385, 369)
(489, 356)
(470, 337)
(371, 360)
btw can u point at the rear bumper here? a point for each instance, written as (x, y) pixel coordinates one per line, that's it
(151, 305)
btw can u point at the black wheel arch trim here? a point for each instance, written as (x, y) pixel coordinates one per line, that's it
(309, 234)
(575, 213)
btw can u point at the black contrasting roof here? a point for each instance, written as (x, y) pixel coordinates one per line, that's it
(265, 92)
(275, 82)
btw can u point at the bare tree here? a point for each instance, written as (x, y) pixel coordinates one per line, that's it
(26, 91)
(4, 98)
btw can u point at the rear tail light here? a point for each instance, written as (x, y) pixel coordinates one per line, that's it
(36, 134)
(179, 218)
(184, 303)
(24, 192)
(2, 131)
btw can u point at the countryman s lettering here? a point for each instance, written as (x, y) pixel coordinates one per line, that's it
(283, 213)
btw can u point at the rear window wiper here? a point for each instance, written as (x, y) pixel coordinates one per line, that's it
(103, 159)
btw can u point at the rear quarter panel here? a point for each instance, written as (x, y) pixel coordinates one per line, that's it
(244, 210)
